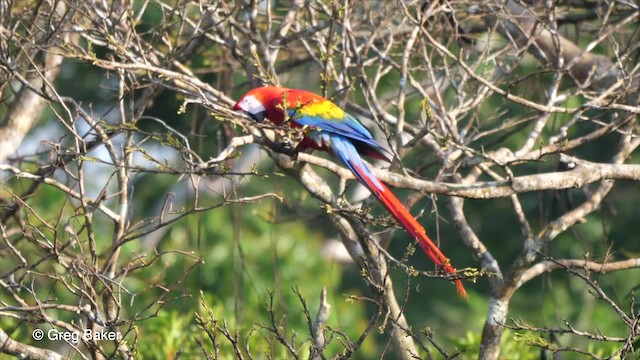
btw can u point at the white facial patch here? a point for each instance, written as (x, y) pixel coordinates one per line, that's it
(251, 105)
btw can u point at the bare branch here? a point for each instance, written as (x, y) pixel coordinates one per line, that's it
(17, 349)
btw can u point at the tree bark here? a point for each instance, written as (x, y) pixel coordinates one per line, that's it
(37, 86)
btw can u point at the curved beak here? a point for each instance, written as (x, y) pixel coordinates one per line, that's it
(259, 116)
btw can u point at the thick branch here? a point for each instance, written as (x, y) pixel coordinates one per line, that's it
(582, 172)
(548, 266)
(523, 26)
(28, 105)
(22, 351)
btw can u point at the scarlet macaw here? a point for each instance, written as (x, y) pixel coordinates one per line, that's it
(333, 130)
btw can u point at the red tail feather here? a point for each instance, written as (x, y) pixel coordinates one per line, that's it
(400, 213)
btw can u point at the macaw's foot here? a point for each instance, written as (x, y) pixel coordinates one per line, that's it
(287, 146)
(287, 149)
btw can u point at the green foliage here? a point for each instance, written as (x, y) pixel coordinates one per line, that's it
(242, 266)
(512, 345)
(168, 334)
(526, 345)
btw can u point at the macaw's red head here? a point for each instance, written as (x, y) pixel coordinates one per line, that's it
(256, 102)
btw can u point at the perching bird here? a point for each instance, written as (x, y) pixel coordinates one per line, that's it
(331, 129)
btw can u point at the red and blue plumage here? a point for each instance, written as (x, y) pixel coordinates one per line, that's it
(333, 130)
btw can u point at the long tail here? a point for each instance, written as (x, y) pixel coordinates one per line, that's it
(345, 151)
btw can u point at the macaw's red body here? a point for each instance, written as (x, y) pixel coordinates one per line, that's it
(340, 134)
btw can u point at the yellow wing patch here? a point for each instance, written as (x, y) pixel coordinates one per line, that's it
(324, 109)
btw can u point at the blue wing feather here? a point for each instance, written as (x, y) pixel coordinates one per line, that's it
(309, 109)
(349, 128)
(344, 149)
